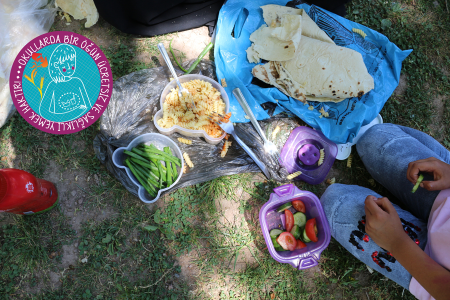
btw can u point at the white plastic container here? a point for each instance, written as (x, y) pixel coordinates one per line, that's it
(184, 131)
(159, 141)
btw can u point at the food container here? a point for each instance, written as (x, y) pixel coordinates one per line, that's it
(269, 219)
(159, 141)
(184, 131)
(301, 152)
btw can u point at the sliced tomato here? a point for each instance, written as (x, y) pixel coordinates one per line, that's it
(300, 245)
(299, 206)
(289, 220)
(287, 241)
(311, 230)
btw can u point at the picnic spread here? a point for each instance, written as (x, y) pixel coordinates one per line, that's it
(277, 66)
(271, 62)
(273, 65)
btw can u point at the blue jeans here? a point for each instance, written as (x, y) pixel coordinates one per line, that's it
(386, 150)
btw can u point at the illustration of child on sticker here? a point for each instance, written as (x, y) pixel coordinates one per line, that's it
(65, 97)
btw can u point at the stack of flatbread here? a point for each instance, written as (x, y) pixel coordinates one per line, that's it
(304, 63)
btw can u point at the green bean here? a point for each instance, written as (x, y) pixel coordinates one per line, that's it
(148, 173)
(416, 186)
(145, 154)
(169, 169)
(174, 168)
(154, 152)
(199, 58)
(137, 156)
(149, 189)
(161, 176)
(174, 57)
(151, 166)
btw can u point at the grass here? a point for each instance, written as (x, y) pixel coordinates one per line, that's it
(204, 241)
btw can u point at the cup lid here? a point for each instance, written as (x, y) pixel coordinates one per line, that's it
(304, 140)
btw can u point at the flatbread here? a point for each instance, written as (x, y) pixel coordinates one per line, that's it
(273, 14)
(276, 42)
(320, 71)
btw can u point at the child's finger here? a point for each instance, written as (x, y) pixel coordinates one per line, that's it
(385, 205)
(371, 207)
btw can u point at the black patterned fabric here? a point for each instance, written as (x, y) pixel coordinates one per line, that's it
(150, 17)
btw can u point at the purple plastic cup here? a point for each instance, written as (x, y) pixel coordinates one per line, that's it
(269, 219)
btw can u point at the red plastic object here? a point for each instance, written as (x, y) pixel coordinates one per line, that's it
(22, 193)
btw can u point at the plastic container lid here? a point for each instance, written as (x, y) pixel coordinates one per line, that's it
(301, 152)
(269, 219)
(159, 141)
(184, 131)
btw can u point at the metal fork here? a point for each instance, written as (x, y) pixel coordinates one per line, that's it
(229, 128)
(181, 89)
(269, 147)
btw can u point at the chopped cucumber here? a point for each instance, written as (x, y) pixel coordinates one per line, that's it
(274, 233)
(276, 245)
(296, 232)
(284, 207)
(305, 237)
(299, 219)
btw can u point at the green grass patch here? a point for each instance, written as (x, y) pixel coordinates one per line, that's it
(27, 245)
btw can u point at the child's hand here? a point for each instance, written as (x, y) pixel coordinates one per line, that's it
(439, 169)
(383, 224)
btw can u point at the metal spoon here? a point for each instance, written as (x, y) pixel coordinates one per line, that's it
(181, 89)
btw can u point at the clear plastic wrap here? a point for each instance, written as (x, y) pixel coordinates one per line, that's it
(134, 102)
(20, 22)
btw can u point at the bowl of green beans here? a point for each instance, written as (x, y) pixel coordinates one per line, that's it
(153, 162)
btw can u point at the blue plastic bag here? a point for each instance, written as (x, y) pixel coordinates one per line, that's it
(383, 59)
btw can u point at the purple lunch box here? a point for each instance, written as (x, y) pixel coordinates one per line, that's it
(269, 219)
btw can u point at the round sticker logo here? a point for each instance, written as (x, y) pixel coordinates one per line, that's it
(61, 82)
(29, 187)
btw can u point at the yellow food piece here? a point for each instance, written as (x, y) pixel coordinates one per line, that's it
(349, 161)
(224, 151)
(293, 175)
(223, 82)
(360, 32)
(275, 132)
(324, 113)
(66, 15)
(311, 107)
(188, 160)
(185, 141)
(322, 157)
(331, 181)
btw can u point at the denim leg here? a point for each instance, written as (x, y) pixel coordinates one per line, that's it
(440, 151)
(387, 149)
(344, 208)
